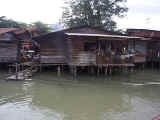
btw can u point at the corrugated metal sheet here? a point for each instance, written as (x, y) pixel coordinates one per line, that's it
(113, 37)
(5, 30)
(16, 30)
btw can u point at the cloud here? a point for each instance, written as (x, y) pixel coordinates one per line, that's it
(143, 7)
(48, 11)
(139, 12)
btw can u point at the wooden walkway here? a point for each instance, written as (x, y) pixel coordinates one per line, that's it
(19, 76)
(23, 74)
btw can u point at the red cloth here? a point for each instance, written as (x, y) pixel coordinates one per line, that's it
(26, 58)
(27, 47)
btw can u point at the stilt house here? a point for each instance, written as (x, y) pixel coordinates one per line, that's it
(148, 49)
(86, 46)
(10, 44)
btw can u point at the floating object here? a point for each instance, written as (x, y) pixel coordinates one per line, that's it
(153, 83)
(134, 84)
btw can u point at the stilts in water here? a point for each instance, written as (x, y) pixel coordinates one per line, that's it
(28, 61)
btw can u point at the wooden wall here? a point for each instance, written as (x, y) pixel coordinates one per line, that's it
(8, 52)
(8, 48)
(80, 56)
(58, 48)
(153, 51)
(53, 48)
(98, 55)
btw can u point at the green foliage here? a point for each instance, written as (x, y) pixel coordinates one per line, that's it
(9, 23)
(96, 13)
(42, 28)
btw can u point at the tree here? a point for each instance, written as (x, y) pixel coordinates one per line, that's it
(9, 23)
(96, 13)
(42, 28)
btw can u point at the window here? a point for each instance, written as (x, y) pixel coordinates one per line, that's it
(89, 46)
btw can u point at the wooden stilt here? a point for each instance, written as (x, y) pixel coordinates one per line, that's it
(110, 70)
(88, 69)
(92, 70)
(59, 70)
(143, 66)
(62, 69)
(126, 69)
(98, 71)
(120, 69)
(10, 70)
(152, 65)
(16, 71)
(75, 72)
(23, 71)
(40, 67)
(106, 70)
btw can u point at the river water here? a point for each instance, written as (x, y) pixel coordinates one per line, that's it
(134, 96)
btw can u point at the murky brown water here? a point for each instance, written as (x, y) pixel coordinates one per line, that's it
(46, 97)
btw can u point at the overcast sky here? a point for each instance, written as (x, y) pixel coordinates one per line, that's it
(141, 14)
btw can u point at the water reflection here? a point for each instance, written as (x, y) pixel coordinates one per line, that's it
(47, 97)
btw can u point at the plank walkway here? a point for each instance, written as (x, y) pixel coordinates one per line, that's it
(22, 75)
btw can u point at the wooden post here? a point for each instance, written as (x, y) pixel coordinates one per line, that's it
(121, 69)
(16, 71)
(98, 71)
(106, 70)
(126, 67)
(62, 68)
(92, 70)
(131, 69)
(10, 71)
(40, 67)
(74, 69)
(59, 70)
(23, 71)
(110, 70)
(152, 65)
(88, 69)
(143, 66)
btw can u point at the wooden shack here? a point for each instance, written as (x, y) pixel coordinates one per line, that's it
(93, 46)
(100, 49)
(148, 49)
(8, 46)
(86, 46)
(53, 48)
(56, 49)
(11, 40)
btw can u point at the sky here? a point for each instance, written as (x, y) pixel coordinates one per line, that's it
(142, 14)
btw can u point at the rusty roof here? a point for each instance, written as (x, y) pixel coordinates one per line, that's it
(16, 30)
(110, 37)
(5, 30)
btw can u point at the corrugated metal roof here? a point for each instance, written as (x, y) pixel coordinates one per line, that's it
(21, 31)
(5, 30)
(114, 37)
(16, 30)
